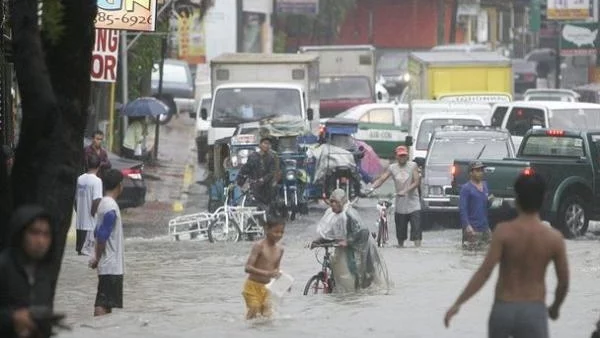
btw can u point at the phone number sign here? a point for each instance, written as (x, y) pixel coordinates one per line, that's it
(132, 15)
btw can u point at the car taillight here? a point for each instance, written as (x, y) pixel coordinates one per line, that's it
(135, 174)
(555, 132)
(529, 77)
(528, 171)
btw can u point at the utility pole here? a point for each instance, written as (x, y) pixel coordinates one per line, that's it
(441, 28)
(453, 21)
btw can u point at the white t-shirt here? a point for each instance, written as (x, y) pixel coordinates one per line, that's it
(89, 188)
(111, 262)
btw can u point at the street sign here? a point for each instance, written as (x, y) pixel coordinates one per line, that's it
(307, 7)
(131, 15)
(105, 55)
(579, 38)
(569, 10)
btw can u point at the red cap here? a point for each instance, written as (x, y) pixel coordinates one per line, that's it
(401, 150)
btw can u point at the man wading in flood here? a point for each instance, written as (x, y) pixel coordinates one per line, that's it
(524, 247)
(473, 208)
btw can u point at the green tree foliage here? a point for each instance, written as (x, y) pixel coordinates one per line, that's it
(141, 57)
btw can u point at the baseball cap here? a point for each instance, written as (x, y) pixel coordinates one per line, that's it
(401, 150)
(476, 165)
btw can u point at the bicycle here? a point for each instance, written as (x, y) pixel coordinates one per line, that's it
(227, 219)
(323, 280)
(382, 222)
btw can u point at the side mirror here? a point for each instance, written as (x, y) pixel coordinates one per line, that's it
(379, 96)
(309, 114)
(420, 161)
(408, 141)
(204, 114)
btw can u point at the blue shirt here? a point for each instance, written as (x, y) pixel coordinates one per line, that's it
(473, 207)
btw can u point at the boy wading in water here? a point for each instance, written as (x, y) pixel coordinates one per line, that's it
(263, 264)
(524, 247)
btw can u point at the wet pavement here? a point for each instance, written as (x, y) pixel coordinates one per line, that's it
(193, 288)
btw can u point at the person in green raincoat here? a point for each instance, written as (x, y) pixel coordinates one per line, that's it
(356, 263)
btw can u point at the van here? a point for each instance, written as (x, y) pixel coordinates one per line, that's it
(428, 123)
(524, 115)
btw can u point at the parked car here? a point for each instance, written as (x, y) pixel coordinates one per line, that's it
(134, 186)
(177, 88)
(568, 160)
(525, 75)
(202, 127)
(448, 143)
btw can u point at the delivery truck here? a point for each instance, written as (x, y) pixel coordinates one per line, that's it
(486, 77)
(347, 76)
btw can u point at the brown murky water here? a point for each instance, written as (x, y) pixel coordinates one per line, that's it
(192, 289)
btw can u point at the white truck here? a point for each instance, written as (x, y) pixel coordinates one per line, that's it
(248, 87)
(347, 76)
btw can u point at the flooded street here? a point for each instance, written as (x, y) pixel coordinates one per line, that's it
(193, 288)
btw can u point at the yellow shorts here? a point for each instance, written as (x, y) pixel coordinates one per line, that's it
(257, 299)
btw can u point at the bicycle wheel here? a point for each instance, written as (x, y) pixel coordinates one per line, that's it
(217, 233)
(315, 285)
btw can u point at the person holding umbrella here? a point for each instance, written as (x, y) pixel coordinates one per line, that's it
(142, 113)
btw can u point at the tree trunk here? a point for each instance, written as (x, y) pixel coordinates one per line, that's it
(54, 82)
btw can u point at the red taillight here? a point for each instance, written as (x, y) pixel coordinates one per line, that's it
(453, 170)
(527, 171)
(132, 173)
(555, 132)
(529, 77)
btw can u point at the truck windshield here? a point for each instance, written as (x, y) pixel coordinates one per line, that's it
(547, 145)
(579, 119)
(344, 87)
(445, 150)
(253, 104)
(428, 126)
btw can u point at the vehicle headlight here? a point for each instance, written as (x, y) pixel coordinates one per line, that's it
(234, 161)
(290, 175)
(406, 77)
(436, 190)
(243, 155)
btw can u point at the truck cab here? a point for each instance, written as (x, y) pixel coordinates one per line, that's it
(248, 87)
(347, 76)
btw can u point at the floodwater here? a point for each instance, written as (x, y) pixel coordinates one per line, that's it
(193, 289)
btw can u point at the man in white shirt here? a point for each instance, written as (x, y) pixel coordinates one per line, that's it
(108, 258)
(89, 193)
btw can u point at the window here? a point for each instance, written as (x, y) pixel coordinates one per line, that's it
(498, 116)
(578, 119)
(345, 87)
(523, 119)
(544, 145)
(379, 115)
(428, 127)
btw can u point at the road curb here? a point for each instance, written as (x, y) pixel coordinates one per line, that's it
(188, 178)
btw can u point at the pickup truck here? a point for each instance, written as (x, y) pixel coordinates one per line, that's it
(569, 161)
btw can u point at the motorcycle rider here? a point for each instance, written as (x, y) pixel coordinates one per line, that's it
(262, 171)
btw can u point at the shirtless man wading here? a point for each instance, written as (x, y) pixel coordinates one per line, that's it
(524, 247)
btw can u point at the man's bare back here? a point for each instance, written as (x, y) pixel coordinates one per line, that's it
(263, 262)
(528, 246)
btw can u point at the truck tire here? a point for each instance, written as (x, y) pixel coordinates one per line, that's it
(573, 216)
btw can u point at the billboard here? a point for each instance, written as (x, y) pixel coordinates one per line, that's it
(105, 55)
(190, 36)
(569, 9)
(133, 15)
(579, 39)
